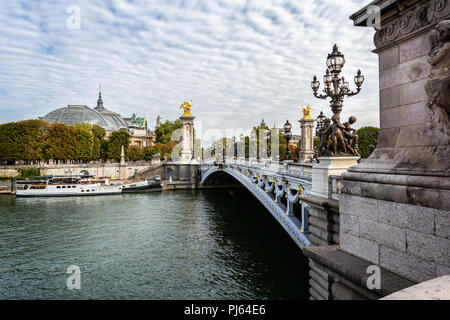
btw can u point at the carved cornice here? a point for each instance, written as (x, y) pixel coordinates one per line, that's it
(414, 19)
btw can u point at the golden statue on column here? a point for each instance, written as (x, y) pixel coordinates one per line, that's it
(187, 108)
(306, 112)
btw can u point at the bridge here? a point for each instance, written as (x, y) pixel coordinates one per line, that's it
(276, 185)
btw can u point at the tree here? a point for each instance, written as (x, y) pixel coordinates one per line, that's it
(367, 136)
(135, 153)
(116, 140)
(84, 143)
(11, 141)
(166, 148)
(98, 134)
(34, 134)
(151, 151)
(165, 130)
(61, 142)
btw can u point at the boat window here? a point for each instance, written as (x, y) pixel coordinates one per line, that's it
(82, 190)
(63, 187)
(58, 187)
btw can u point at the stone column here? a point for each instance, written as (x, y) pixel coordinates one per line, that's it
(307, 148)
(122, 165)
(187, 123)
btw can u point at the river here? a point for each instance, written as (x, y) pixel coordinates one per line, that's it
(210, 244)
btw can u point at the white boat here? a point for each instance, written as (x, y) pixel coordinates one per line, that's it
(79, 187)
(141, 186)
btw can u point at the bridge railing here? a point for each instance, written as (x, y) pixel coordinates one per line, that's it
(301, 170)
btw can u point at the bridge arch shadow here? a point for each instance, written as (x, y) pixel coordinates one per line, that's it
(233, 176)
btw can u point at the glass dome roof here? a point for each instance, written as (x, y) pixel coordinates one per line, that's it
(83, 114)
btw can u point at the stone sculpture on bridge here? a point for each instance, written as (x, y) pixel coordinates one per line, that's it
(438, 85)
(344, 141)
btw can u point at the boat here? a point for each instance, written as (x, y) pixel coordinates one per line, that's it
(141, 186)
(68, 186)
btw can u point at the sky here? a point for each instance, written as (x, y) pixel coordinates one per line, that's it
(239, 61)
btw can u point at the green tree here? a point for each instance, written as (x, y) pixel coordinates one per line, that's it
(84, 143)
(316, 143)
(151, 151)
(164, 132)
(28, 173)
(34, 135)
(367, 136)
(116, 140)
(135, 153)
(11, 141)
(61, 142)
(99, 134)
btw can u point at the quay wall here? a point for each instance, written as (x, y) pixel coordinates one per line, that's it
(112, 170)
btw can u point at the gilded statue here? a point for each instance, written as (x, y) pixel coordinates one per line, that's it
(306, 112)
(186, 106)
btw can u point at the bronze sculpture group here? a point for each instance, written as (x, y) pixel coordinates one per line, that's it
(344, 140)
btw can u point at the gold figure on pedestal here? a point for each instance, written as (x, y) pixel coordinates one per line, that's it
(187, 108)
(306, 111)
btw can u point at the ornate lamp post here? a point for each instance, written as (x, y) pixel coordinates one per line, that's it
(267, 137)
(288, 137)
(337, 88)
(320, 118)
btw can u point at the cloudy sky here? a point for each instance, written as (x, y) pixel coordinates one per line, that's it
(238, 60)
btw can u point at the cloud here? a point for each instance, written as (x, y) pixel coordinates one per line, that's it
(239, 61)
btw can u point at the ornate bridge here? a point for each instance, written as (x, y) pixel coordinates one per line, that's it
(275, 185)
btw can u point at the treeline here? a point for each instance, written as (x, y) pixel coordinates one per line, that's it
(163, 145)
(34, 140)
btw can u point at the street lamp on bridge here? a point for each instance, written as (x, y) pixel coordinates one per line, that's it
(288, 137)
(337, 88)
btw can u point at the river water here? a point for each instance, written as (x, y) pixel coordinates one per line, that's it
(210, 244)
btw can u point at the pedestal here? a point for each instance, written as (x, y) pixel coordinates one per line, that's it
(187, 152)
(307, 148)
(328, 166)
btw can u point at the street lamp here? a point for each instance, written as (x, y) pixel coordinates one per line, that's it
(288, 137)
(267, 137)
(320, 118)
(336, 88)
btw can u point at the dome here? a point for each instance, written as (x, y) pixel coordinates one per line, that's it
(83, 114)
(113, 120)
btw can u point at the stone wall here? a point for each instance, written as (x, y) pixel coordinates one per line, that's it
(398, 236)
(112, 170)
(394, 206)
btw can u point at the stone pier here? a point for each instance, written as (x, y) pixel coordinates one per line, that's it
(394, 206)
(307, 150)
